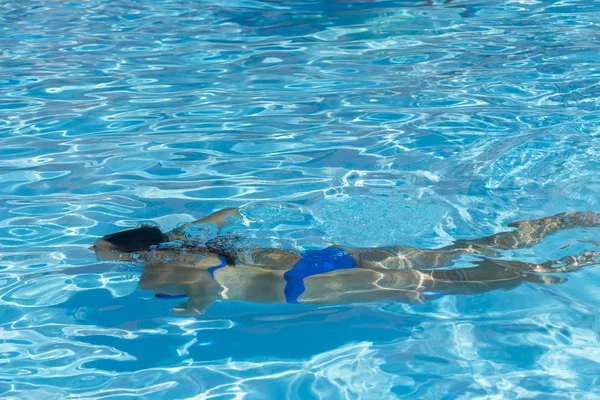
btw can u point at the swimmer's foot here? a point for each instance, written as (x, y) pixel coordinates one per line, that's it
(566, 220)
(562, 265)
(572, 263)
(532, 232)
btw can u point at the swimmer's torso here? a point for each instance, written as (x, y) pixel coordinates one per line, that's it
(279, 276)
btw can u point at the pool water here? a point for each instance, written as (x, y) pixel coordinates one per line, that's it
(360, 123)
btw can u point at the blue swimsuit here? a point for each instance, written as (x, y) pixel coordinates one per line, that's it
(312, 262)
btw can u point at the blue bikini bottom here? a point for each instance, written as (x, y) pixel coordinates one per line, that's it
(312, 262)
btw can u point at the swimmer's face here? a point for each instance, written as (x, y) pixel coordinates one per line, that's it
(117, 246)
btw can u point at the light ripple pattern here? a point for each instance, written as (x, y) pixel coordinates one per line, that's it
(362, 123)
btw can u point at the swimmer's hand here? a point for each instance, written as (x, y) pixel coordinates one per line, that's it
(192, 307)
(201, 294)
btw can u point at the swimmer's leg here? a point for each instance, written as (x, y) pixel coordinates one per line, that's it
(414, 286)
(490, 274)
(564, 264)
(528, 233)
(406, 258)
(271, 259)
(362, 285)
(480, 279)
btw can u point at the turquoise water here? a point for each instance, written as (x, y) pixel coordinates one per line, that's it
(362, 123)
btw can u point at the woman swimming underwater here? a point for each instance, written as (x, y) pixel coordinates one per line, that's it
(176, 267)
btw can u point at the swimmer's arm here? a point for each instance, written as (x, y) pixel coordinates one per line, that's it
(196, 283)
(220, 218)
(201, 295)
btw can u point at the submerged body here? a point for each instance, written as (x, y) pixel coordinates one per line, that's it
(205, 273)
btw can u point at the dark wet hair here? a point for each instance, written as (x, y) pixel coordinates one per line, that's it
(137, 239)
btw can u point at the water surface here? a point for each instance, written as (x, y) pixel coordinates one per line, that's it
(362, 123)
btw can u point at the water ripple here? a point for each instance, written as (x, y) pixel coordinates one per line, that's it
(363, 123)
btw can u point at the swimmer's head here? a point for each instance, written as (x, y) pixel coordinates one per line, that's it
(113, 246)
